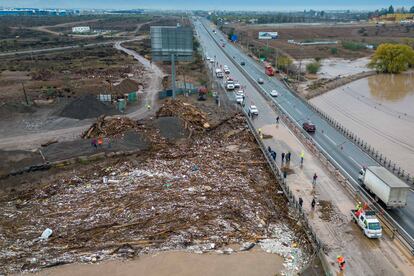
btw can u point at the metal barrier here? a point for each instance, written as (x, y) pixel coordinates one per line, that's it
(315, 241)
(328, 161)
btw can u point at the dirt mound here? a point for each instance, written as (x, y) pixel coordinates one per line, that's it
(192, 117)
(8, 109)
(126, 86)
(86, 107)
(109, 127)
(171, 128)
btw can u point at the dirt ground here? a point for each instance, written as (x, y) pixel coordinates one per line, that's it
(367, 34)
(199, 194)
(66, 74)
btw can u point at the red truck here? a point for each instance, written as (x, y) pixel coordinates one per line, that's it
(269, 69)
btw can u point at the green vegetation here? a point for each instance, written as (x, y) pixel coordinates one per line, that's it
(392, 58)
(313, 67)
(353, 46)
(283, 62)
(334, 51)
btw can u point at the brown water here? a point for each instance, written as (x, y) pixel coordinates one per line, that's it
(254, 263)
(380, 110)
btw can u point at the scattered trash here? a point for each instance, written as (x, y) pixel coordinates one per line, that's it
(46, 234)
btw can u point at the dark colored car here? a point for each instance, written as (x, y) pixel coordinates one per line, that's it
(309, 127)
(242, 63)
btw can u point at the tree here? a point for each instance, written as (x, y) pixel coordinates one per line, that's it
(313, 67)
(412, 9)
(283, 62)
(391, 9)
(392, 58)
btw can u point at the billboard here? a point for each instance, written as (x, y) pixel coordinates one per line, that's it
(268, 35)
(168, 40)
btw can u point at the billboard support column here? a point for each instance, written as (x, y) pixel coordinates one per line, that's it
(173, 75)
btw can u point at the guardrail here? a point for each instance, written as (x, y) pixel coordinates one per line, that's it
(315, 241)
(333, 167)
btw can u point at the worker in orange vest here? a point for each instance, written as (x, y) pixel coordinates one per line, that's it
(100, 141)
(341, 262)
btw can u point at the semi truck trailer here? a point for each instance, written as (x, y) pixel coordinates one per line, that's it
(386, 187)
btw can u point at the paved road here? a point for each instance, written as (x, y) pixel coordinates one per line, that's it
(344, 152)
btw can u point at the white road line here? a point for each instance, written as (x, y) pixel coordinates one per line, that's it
(299, 111)
(329, 138)
(353, 160)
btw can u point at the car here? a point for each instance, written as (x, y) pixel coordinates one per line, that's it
(211, 60)
(274, 93)
(240, 92)
(253, 110)
(237, 85)
(260, 80)
(208, 58)
(223, 45)
(226, 70)
(239, 99)
(309, 127)
(230, 86)
(242, 63)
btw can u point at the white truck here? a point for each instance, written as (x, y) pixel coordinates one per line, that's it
(386, 186)
(230, 85)
(219, 73)
(368, 222)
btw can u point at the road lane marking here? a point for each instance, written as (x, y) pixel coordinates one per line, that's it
(329, 138)
(353, 160)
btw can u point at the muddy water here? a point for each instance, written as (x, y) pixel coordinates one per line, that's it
(380, 109)
(253, 263)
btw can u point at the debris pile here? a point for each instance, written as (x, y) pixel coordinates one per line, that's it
(192, 117)
(108, 127)
(86, 107)
(201, 195)
(126, 86)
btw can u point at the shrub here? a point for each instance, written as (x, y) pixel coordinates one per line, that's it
(313, 68)
(353, 46)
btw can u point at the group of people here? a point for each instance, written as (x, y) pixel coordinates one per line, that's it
(98, 142)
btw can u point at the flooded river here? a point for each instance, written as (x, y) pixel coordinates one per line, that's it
(380, 109)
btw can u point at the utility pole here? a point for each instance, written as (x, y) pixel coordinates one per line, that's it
(173, 75)
(25, 95)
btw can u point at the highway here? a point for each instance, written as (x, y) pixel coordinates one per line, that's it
(346, 154)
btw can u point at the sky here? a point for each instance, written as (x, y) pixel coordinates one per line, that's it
(264, 5)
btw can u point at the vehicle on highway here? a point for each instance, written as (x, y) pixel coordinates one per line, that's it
(223, 45)
(274, 93)
(237, 85)
(219, 73)
(253, 111)
(260, 80)
(230, 84)
(242, 63)
(239, 99)
(226, 70)
(368, 222)
(211, 60)
(240, 92)
(208, 58)
(385, 186)
(309, 127)
(269, 69)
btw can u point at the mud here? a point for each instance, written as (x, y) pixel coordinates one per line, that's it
(253, 263)
(379, 110)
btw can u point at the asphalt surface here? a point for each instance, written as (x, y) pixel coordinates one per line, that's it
(346, 154)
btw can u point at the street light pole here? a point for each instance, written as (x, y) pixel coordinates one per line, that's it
(173, 75)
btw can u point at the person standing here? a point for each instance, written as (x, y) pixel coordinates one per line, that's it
(93, 143)
(313, 203)
(288, 155)
(277, 120)
(283, 157)
(100, 142)
(341, 262)
(302, 156)
(284, 175)
(314, 179)
(300, 202)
